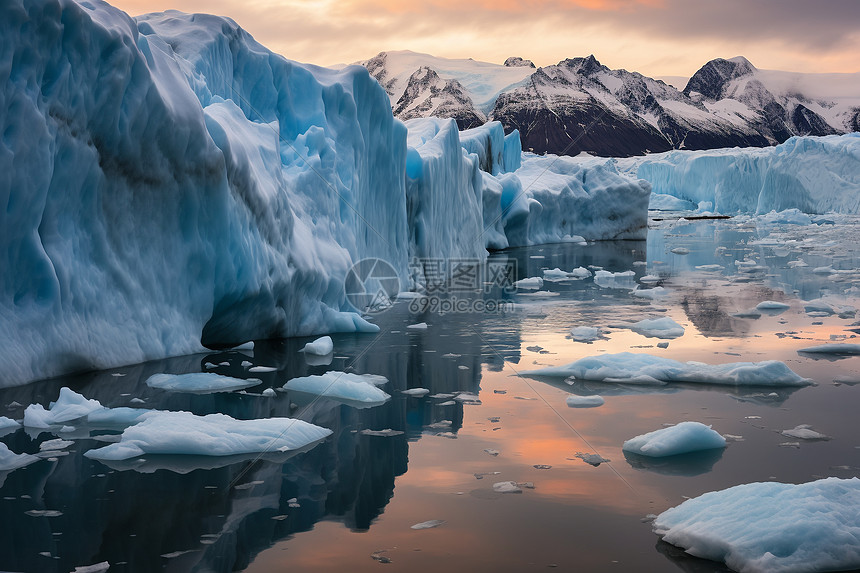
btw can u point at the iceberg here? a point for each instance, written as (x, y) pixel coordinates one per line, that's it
(359, 390)
(183, 433)
(203, 191)
(682, 438)
(771, 527)
(810, 174)
(836, 349)
(171, 185)
(627, 367)
(198, 383)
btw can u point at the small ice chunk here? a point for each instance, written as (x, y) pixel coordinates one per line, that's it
(322, 346)
(531, 283)
(835, 349)
(804, 432)
(580, 273)
(70, 406)
(586, 333)
(507, 487)
(43, 513)
(650, 279)
(417, 392)
(772, 305)
(662, 345)
(263, 369)
(663, 327)
(492, 452)
(198, 383)
(542, 467)
(467, 398)
(8, 424)
(651, 293)
(574, 401)
(269, 393)
(56, 444)
(96, 568)
(386, 433)
(417, 326)
(591, 459)
(682, 438)
(357, 388)
(680, 251)
(428, 524)
(554, 274)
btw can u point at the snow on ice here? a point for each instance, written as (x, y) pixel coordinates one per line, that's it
(682, 438)
(771, 527)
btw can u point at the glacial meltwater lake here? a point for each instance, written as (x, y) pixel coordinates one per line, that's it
(350, 503)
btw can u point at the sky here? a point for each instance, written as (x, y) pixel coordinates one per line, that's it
(658, 38)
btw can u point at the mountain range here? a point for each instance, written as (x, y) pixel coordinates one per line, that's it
(581, 105)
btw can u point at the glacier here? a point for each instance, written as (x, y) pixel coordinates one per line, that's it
(169, 184)
(812, 174)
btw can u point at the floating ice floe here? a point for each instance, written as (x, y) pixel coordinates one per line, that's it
(836, 349)
(663, 327)
(591, 459)
(682, 438)
(356, 389)
(680, 251)
(507, 487)
(9, 460)
(772, 305)
(650, 293)
(629, 368)
(417, 392)
(620, 280)
(531, 283)
(574, 401)
(771, 527)
(173, 433)
(417, 326)
(198, 383)
(322, 346)
(813, 307)
(804, 432)
(428, 524)
(69, 407)
(386, 433)
(586, 333)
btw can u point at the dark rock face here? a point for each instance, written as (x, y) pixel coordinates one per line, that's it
(712, 78)
(807, 122)
(581, 105)
(428, 95)
(517, 62)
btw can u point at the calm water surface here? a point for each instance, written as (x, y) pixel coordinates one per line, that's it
(349, 503)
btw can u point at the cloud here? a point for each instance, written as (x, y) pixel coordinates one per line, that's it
(679, 35)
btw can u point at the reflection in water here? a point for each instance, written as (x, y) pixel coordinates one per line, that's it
(688, 465)
(686, 562)
(205, 514)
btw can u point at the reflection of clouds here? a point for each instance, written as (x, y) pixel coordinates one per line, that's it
(681, 36)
